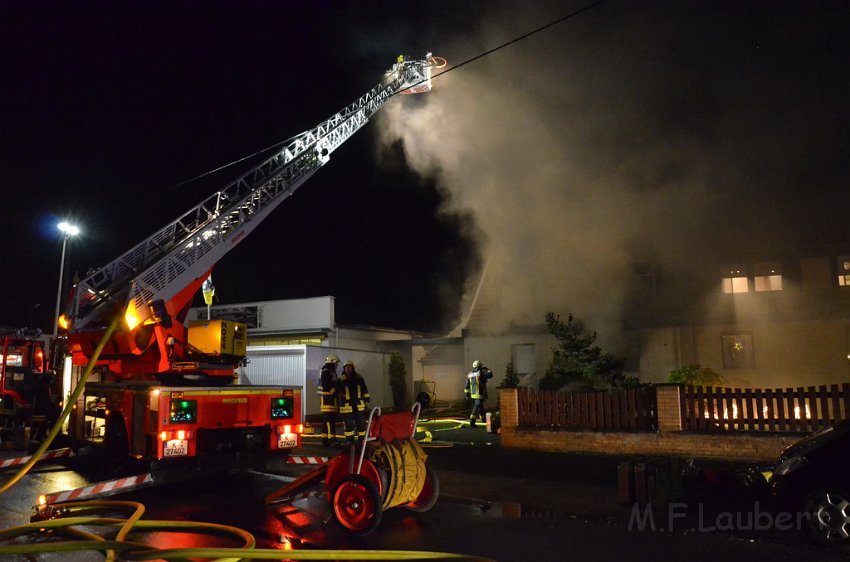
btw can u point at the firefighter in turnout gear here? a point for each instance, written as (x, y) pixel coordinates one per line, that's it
(476, 390)
(328, 391)
(353, 400)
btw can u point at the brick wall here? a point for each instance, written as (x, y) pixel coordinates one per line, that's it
(668, 400)
(670, 441)
(687, 445)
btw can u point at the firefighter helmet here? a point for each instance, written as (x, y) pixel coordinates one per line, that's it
(476, 364)
(347, 363)
(332, 358)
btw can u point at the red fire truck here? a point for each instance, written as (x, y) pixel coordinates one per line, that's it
(163, 388)
(25, 380)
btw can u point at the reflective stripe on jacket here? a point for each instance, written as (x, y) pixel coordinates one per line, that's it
(353, 394)
(476, 383)
(327, 390)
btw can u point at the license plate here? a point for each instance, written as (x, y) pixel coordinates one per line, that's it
(176, 448)
(287, 441)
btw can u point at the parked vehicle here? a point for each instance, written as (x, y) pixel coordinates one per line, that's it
(26, 380)
(812, 478)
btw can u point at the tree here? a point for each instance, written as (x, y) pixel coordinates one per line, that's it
(577, 363)
(695, 375)
(398, 381)
(511, 379)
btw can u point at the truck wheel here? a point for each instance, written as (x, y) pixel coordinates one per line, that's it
(356, 505)
(429, 494)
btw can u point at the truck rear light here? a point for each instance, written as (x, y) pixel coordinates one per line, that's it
(281, 429)
(179, 434)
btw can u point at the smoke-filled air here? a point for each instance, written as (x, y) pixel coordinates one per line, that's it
(621, 136)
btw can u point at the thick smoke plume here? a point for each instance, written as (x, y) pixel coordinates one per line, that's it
(615, 138)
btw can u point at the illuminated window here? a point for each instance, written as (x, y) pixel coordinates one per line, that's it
(736, 285)
(735, 278)
(768, 276)
(844, 271)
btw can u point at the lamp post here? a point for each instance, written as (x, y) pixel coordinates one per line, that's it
(68, 230)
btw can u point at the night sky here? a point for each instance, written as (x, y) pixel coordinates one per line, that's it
(631, 132)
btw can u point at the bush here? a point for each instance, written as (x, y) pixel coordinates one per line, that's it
(578, 365)
(398, 381)
(511, 379)
(695, 375)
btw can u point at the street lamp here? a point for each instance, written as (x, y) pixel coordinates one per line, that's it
(68, 230)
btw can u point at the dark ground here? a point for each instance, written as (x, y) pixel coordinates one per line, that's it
(561, 497)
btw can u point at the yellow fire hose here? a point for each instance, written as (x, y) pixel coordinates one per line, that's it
(132, 550)
(405, 464)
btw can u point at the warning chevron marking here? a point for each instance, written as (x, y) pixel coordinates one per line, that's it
(54, 454)
(306, 460)
(101, 489)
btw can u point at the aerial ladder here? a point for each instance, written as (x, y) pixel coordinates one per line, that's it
(152, 284)
(162, 393)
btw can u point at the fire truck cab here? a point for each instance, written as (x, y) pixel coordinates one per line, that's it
(25, 381)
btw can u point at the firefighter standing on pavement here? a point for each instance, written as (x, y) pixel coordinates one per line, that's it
(476, 390)
(353, 399)
(328, 397)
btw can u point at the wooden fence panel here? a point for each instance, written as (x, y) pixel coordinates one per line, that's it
(800, 410)
(728, 409)
(758, 410)
(591, 410)
(846, 393)
(781, 420)
(823, 395)
(836, 404)
(812, 412)
(631, 407)
(640, 410)
(710, 408)
(768, 409)
(553, 409)
(619, 411)
(616, 412)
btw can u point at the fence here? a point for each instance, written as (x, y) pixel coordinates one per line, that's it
(799, 410)
(627, 410)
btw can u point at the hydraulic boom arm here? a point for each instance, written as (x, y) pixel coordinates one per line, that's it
(156, 280)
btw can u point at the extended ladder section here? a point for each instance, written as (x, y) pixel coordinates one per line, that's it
(165, 263)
